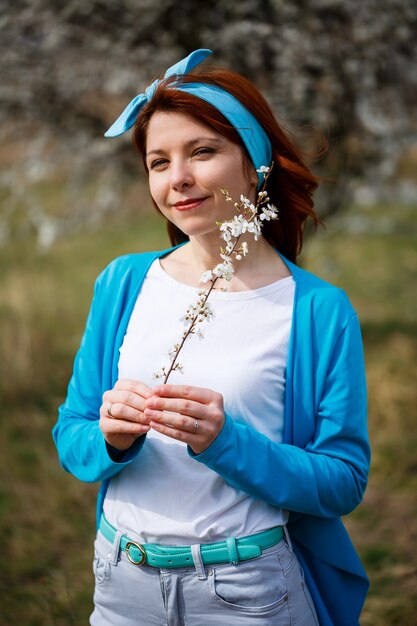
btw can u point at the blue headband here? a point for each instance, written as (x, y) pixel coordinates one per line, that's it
(251, 132)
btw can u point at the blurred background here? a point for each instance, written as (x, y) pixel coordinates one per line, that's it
(339, 71)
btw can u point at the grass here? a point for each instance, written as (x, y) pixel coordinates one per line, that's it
(47, 517)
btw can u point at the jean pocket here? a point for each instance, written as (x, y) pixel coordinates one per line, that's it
(101, 565)
(100, 568)
(255, 586)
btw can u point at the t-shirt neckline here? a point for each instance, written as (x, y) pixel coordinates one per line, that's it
(218, 294)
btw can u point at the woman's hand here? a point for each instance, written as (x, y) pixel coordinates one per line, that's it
(190, 414)
(121, 415)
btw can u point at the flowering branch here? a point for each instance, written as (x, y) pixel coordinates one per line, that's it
(249, 219)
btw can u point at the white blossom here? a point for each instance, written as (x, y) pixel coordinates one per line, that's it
(248, 204)
(207, 311)
(173, 350)
(270, 212)
(224, 270)
(159, 374)
(264, 169)
(254, 227)
(225, 231)
(206, 276)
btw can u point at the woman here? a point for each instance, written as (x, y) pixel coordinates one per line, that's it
(222, 490)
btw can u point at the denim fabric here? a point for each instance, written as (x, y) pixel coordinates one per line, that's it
(265, 591)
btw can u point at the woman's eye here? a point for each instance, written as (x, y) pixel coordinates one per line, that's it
(204, 151)
(157, 164)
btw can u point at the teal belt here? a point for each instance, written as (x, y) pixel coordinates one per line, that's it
(230, 551)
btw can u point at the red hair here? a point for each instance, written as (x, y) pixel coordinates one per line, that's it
(290, 185)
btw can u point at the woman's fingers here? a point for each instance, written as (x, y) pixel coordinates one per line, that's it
(185, 399)
(175, 420)
(121, 411)
(189, 436)
(120, 406)
(126, 401)
(194, 415)
(172, 419)
(135, 386)
(111, 426)
(122, 417)
(198, 394)
(181, 406)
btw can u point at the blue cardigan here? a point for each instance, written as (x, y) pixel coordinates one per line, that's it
(320, 470)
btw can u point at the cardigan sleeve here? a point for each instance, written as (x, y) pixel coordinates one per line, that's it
(328, 476)
(82, 448)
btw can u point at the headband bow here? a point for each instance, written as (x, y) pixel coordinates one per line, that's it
(128, 118)
(251, 132)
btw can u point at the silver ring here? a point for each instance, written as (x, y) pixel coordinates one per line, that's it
(195, 426)
(109, 406)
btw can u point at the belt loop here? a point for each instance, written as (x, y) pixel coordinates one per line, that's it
(232, 550)
(198, 561)
(114, 553)
(287, 538)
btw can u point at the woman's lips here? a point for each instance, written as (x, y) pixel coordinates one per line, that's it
(186, 205)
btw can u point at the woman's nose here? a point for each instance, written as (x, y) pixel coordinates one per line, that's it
(181, 176)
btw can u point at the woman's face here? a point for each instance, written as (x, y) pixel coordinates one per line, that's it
(189, 164)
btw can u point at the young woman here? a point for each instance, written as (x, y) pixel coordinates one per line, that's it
(222, 490)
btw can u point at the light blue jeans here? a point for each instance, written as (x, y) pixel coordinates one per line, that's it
(266, 591)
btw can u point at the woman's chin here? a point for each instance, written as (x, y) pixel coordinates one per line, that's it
(196, 228)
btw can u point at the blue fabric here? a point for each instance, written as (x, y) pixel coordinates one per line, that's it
(319, 472)
(251, 132)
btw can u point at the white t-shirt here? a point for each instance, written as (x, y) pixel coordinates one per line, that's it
(164, 495)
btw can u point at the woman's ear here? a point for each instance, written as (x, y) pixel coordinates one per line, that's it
(250, 172)
(253, 177)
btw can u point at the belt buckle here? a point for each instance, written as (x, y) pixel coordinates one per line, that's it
(142, 559)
